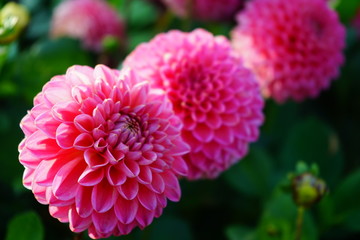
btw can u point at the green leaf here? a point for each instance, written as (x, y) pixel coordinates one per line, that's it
(252, 175)
(347, 195)
(312, 141)
(24, 227)
(240, 233)
(347, 9)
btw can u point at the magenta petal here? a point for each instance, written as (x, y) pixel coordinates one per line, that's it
(172, 189)
(144, 217)
(203, 133)
(65, 182)
(83, 204)
(129, 167)
(125, 210)
(145, 176)
(104, 222)
(157, 183)
(94, 159)
(180, 166)
(103, 196)
(180, 148)
(66, 135)
(129, 189)
(57, 91)
(115, 176)
(91, 177)
(28, 177)
(77, 223)
(147, 198)
(224, 135)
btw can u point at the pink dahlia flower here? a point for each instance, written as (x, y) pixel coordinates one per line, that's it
(88, 20)
(217, 99)
(102, 150)
(294, 47)
(205, 9)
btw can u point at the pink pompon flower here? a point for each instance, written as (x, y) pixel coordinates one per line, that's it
(103, 150)
(294, 47)
(88, 20)
(214, 10)
(217, 99)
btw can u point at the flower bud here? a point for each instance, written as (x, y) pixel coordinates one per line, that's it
(307, 189)
(13, 19)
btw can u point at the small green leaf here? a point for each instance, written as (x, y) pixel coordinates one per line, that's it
(24, 227)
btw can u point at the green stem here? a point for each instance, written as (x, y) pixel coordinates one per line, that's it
(299, 222)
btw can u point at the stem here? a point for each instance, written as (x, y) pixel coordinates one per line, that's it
(299, 222)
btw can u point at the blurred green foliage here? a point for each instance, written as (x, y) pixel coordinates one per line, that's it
(246, 202)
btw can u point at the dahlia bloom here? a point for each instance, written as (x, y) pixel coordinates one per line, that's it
(205, 9)
(103, 150)
(88, 20)
(294, 47)
(217, 99)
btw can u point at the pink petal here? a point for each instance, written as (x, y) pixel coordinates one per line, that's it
(126, 210)
(230, 119)
(66, 135)
(46, 123)
(84, 122)
(129, 189)
(42, 146)
(56, 92)
(91, 177)
(65, 182)
(65, 111)
(103, 197)
(147, 198)
(104, 222)
(77, 223)
(94, 159)
(83, 141)
(82, 201)
(129, 167)
(60, 213)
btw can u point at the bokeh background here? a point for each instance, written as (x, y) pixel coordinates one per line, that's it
(244, 203)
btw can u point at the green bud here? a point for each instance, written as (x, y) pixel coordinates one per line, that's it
(110, 43)
(13, 19)
(307, 189)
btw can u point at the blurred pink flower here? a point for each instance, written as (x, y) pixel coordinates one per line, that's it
(102, 150)
(294, 47)
(217, 98)
(88, 20)
(205, 9)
